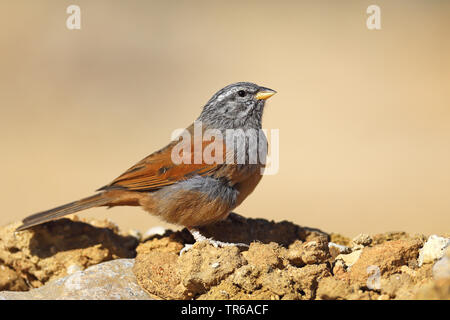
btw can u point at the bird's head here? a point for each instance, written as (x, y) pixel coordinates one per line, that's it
(239, 105)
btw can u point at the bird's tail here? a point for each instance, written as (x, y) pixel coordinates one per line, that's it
(97, 200)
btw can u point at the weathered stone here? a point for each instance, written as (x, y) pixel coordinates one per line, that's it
(362, 240)
(52, 250)
(433, 249)
(441, 269)
(113, 280)
(349, 259)
(388, 257)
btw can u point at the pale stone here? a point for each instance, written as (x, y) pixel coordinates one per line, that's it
(339, 247)
(433, 249)
(441, 269)
(349, 259)
(112, 280)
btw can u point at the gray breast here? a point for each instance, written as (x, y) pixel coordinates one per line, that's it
(212, 188)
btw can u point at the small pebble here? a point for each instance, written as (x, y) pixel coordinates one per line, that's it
(408, 270)
(362, 239)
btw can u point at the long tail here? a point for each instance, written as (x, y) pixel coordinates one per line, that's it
(45, 216)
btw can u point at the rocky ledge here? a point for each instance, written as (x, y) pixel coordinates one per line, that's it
(89, 259)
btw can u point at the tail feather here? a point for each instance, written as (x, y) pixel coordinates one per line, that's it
(52, 214)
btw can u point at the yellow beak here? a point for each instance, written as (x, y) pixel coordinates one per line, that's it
(264, 94)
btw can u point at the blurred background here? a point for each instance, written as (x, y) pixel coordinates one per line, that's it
(364, 116)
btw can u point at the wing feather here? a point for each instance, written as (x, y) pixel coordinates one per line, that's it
(158, 170)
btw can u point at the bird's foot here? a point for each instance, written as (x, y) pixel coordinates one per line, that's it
(198, 237)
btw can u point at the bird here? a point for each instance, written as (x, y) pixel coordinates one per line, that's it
(199, 190)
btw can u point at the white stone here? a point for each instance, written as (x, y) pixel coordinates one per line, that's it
(349, 259)
(441, 269)
(433, 249)
(112, 280)
(341, 248)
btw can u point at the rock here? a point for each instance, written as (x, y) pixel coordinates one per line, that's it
(441, 269)
(252, 282)
(54, 249)
(10, 280)
(435, 290)
(266, 270)
(311, 252)
(265, 255)
(195, 266)
(391, 236)
(237, 229)
(301, 267)
(337, 289)
(306, 279)
(433, 249)
(156, 272)
(336, 249)
(408, 271)
(73, 268)
(339, 269)
(385, 258)
(155, 267)
(349, 259)
(362, 240)
(398, 285)
(316, 251)
(113, 280)
(283, 261)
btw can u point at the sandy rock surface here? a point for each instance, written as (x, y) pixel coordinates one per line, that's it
(30, 258)
(282, 261)
(288, 262)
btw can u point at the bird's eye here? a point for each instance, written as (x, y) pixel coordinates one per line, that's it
(242, 93)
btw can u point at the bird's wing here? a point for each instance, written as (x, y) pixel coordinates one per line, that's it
(158, 170)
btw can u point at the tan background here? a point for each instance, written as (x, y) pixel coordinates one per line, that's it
(364, 116)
